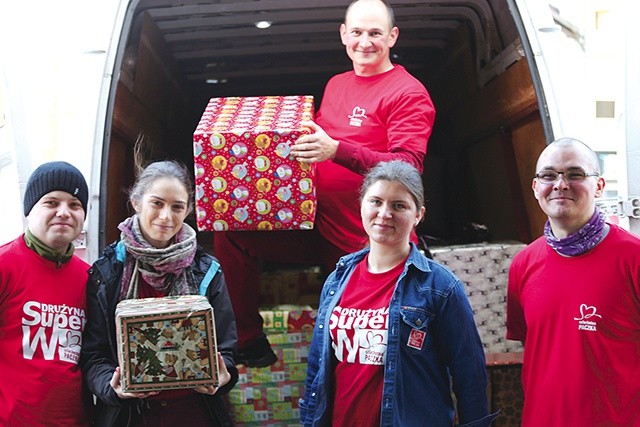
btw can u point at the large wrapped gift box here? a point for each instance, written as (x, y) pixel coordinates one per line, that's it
(245, 177)
(269, 396)
(166, 343)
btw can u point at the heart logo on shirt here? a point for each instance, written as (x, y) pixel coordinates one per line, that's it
(586, 312)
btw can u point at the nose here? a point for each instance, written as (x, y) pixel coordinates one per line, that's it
(384, 211)
(63, 210)
(165, 212)
(364, 40)
(561, 181)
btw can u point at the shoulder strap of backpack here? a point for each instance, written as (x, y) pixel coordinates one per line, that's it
(204, 285)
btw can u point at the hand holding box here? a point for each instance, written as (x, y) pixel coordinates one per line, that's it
(166, 343)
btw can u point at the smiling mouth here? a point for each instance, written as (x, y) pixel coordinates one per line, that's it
(164, 227)
(383, 225)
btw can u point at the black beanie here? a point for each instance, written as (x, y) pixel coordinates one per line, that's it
(54, 176)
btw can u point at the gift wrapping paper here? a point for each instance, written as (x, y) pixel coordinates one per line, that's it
(245, 177)
(166, 343)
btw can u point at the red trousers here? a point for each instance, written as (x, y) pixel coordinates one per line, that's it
(240, 254)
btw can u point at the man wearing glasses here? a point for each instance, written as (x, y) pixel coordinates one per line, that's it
(574, 301)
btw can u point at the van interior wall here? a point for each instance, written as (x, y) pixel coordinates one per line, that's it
(152, 101)
(481, 156)
(480, 159)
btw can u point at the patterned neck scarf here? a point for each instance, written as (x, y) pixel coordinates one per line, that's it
(582, 240)
(45, 251)
(163, 269)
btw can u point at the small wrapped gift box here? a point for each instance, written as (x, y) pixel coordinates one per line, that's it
(166, 343)
(245, 177)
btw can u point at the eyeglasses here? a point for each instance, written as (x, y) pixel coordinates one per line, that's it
(550, 177)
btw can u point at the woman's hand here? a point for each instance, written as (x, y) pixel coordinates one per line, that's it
(117, 387)
(223, 379)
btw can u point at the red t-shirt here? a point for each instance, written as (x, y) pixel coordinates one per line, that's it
(359, 330)
(386, 117)
(580, 318)
(42, 316)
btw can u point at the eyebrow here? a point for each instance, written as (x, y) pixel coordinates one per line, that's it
(365, 29)
(551, 168)
(164, 200)
(72, 197)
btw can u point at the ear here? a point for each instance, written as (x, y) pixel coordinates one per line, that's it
(534, 183)
(393, 36)
(600, 187)
(420, 216)
(343, 34)
(135, 204)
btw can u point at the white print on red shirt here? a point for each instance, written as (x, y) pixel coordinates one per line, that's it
(416, 339)
(586, 313)
(357, 117)
(360, 335)
(52, 327)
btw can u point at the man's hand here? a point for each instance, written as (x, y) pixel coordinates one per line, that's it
(117, 387)
(315, 147)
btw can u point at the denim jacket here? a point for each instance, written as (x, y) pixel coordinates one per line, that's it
(417, 382)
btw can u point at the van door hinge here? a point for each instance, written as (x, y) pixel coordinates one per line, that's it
(620, 207)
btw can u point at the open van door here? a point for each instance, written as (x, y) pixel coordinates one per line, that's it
(492, 114)
(92, 78)
(53, 68)
(559, 76)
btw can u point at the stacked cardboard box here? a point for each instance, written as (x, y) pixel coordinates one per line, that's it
(291, 286)
(484, 270)
(269, 396)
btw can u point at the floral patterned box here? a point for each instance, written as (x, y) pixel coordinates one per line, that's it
(166, 343)
(245, 178)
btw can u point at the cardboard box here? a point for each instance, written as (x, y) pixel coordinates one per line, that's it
(166, 343)
(301, 287)
(484, 270)
(269, 396)
(245, 178)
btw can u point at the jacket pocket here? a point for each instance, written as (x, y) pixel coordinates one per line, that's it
(415, 328)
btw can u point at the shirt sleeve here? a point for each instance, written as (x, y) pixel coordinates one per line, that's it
(409, 126)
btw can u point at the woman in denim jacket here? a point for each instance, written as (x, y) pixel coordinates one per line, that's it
(395, 334)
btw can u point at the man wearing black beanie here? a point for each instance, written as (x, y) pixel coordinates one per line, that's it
(43, 303)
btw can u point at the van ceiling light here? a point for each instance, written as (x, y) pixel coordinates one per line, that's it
(262, 24)
(216, 81)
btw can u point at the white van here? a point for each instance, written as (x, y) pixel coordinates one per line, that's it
(82, 79)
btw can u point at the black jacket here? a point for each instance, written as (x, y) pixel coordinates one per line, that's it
(99, 356)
